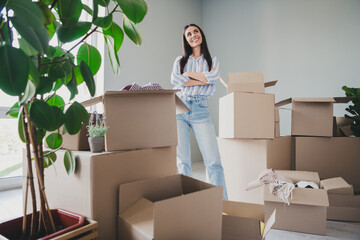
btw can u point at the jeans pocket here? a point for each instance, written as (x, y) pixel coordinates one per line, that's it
(203, 103)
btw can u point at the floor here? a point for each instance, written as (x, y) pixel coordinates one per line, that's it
(10, 200)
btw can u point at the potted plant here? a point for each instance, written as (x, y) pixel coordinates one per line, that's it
(34, 70)
(96, 132)
(354, 109)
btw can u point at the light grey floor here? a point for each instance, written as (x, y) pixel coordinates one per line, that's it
(11, 202)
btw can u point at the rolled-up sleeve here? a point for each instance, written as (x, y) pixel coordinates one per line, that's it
(176, 78)
(213, 76)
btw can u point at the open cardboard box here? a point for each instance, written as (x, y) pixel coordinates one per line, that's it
(342, 127)
(140, 119)
(312, 116)
(330, 157)
(252, 82)
(172, 207)
(247, 115)
(244, 221)
(307, 210)
(277, 123)
(344, 205)
(244, 159)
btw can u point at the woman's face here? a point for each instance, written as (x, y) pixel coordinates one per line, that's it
(193, 36)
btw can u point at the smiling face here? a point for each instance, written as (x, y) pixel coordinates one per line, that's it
(193, 36)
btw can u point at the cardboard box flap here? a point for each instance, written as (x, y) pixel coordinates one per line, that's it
(297, 176)
(302, 196)
(346, 130)
(92, 101)
(317, 99)
(140, 217)
(283, 102)
(141, 92)
(337, 185)
(270, 84)
(247, 210)
(246, 78)
(180, 106)
(269, 223)
(235, 227)
(342, 99)
(341, 201)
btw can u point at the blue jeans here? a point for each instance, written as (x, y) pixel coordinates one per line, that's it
(198, 119)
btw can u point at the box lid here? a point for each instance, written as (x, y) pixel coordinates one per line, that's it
(305, 100)
(247, 82)
(337, 185)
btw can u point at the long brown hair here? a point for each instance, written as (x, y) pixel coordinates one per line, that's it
(187, 49)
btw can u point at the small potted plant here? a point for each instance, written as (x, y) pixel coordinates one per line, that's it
(96, 132)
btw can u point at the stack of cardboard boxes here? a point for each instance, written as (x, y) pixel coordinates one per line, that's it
(249, 136)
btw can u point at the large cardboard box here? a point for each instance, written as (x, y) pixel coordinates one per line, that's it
(342, 127)
(244, 159)
(312, 116)
(247, 82)
(244, 221)
(172, 207)
(330, 157)
(247, 115)
(344, 205)
(307, 210)
(93, 190)
(140, 119)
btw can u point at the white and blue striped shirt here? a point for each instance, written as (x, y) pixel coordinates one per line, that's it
(196, 65)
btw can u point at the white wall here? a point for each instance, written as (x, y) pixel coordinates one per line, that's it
(311, 46)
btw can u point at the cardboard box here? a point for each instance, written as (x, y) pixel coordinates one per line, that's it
(247, 115)
(277, 123)
(93, 190)
(341, 127)
(76, 142)
(172, 207)
(243, 221)
(312, 116)
(244, 159)
(140, 119)
(344, 205)
(307, 210)
(247, 82)
(330, 157)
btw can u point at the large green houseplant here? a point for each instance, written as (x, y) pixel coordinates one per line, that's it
(34, 70)
(353, 109)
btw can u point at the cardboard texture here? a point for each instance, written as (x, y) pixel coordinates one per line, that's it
(172, 207)
(244, 159)
(330, 157)
(243, 221)
(140, 119)
(341, 126)
(252, 82)
(247, 115)
(344, 207)
(77, 142)
(307, 210)
(337, 186)
(277, 123)
(93, 190)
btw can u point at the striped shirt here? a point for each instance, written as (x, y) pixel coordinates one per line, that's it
(196, 65)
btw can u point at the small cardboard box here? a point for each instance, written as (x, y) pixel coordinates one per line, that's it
(307, 210)
(344, 205)
(243, 221)
(330, 157)
(172, 207)
(341, 127)
(140, 119)
(312, 116)
(244, 159)
(93, 190)
(77, 142)
(247, 115)
(247, 82)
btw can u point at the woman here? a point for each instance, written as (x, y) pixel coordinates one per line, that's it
(195, 74)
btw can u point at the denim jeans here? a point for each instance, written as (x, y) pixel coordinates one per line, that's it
(198, 119)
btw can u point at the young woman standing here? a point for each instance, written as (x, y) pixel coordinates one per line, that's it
(195, 74)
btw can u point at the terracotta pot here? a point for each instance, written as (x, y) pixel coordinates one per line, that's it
(68, 220)
(97, 144)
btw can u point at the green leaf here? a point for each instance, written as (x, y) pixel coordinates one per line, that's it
(40, 134)
(96, 10)
(88, 77)
(54, 140)
(37, 37)
(69, 11)
(69, 162)
(59, 116)
(54, 52)
(116, 33)
(73, 32)
(91, 56)
(57, 101)
(75, 116)
(87, 9)
(48, 16)
(72, 87)
(14, 110)
(51, 29)
(42, 115)
(27, 48)
(61, 67)
(5, 32)
(29, 93)
(14, 70)
(103, 3)
(78, 76)
(45, 85)
(27, 12)
(103, 22)
(135, 10)
(113, 57)
(33, 73)
(2, 4)
(132, 31)
(58, 84)
(21, 128)
(49, 158)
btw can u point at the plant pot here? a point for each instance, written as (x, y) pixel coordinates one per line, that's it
(97, 144)
(67, 220)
